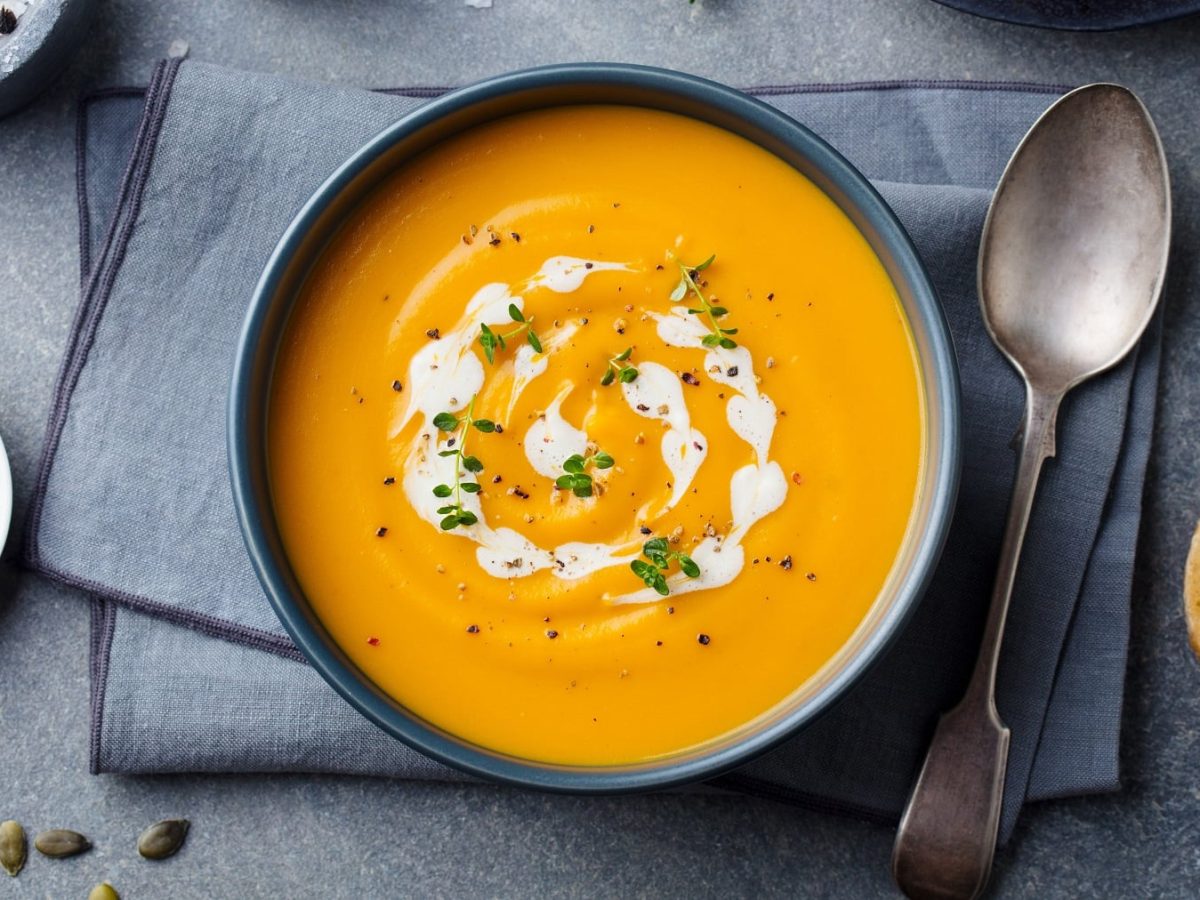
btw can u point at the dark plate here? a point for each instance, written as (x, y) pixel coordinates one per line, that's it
(1077, 15)
(302, 244)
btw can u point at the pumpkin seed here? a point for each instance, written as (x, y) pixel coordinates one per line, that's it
(13, 847)
(104, 891)
(162, 839)
(59, 843)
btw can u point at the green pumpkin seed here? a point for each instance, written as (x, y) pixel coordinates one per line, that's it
(162, 839)
(13, 847)
(104, 891)
(59, 843)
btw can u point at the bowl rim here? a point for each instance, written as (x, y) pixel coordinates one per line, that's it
(939, 372)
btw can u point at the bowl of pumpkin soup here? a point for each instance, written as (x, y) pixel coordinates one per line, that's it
(594, 428)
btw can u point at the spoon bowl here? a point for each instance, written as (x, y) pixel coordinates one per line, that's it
(1074, 247)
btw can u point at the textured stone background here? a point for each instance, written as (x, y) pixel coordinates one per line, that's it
(324, 836)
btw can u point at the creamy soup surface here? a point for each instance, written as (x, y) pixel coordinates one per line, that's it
(595, 434)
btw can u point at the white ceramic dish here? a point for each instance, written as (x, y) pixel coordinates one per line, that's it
(6, 495)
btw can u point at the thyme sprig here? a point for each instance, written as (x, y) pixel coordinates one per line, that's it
(459, 430)
(718, 336)
(619, 368)
(660, 554)
(490, 340)
(576, 479)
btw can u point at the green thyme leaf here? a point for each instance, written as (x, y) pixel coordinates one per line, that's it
(487, 340)
(485, 425)
(451, 521)
(467, 518)
(583, 490)
(534, 342)
(471, 487)
(574, 464)
(704, 265)
(443, 490)
(710, 340)
(603, 460)
(655, 545)
(653, 574)
(624, 354)
(445, 421)
(680, 291)
(514, 313)
(607, 378)
(472, 464)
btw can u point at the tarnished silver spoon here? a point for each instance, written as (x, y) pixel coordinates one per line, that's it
(1071, 265)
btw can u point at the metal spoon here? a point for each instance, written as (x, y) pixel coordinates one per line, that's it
(1071, 265)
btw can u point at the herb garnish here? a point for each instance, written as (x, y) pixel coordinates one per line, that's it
(577, 480)
(490, 340)
(459, 429)
(660, 554)
(618, 367)
(718, 337)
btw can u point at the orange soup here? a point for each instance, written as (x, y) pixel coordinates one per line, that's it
(595, 434)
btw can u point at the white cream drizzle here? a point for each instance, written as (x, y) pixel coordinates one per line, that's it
(444, 375)
(658, 394)
(551, 439)
(755, 490)
(447, 372)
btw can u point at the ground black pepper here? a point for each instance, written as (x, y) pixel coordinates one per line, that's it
(552, 634)
(689, 378)
(381, 531)
(786, 563)
(389, 480)
(472, 629)
(433, 334)
(397, 386)
(703, 638)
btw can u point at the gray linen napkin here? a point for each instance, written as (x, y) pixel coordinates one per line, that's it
(185, 188)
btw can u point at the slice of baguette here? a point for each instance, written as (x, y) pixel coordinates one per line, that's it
(1191, 592)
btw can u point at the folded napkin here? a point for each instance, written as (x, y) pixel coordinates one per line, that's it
(185, 188)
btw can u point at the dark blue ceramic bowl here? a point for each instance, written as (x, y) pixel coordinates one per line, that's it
(309, 232)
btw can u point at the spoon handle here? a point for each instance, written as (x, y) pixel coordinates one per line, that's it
(947, 837)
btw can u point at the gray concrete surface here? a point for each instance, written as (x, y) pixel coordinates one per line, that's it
(300, 836)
